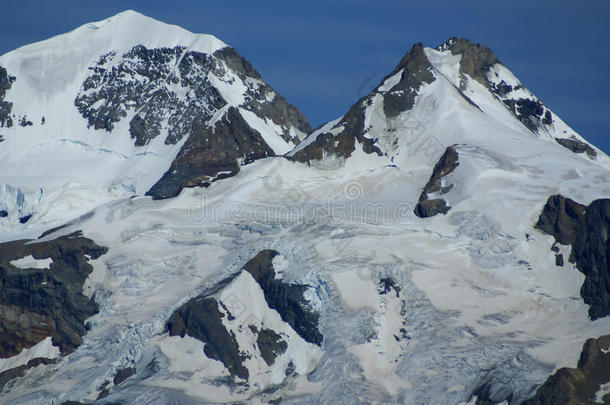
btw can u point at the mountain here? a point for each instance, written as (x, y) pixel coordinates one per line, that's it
(450, 76)
(445, 241)
(130, 106)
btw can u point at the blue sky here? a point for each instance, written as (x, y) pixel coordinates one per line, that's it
(323, 55)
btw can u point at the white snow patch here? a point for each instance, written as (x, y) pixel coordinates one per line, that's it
(29, 262)
(270, 132)
(391, 81)
(604, 389)
(42, 349)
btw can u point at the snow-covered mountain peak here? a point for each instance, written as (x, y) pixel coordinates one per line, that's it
(128, 28)
(475, 59)
(460, 81)
(130, 105)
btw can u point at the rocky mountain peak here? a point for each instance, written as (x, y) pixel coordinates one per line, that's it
(476, 59)
(396, 94)
(415, 69)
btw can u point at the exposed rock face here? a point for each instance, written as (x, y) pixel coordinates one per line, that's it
(591, 253)
(586, 229)
(141, 82)
(201, 319)
(576, 146)
(417, 71)
(270, 344)
(123, 374)
(172, 92)
(426, 207)
(212, 153)
(560, 217)
(342, 144)
(11, 374)
(341, 139)
(476, 59)
(286, 299)
(529, 112)
(577, 386)
(36, 303)
(477, 62)
(5, 106)
(262, 100)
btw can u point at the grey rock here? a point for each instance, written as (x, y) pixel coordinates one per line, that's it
(586, 229)
(476, 59)
(138, 81)
(578, 386)
(287, 299)
(270, 344)
(123, 374)
(560, 217)
(201, 319)
(278, 110)
(25, 218)
(417, 71)
(400, 98)
(36, 303)
(426, 207)
(211, 153)
(11, 374)
(6, 107)
(591, 253)
(559, 260)
(476, 62)
(576, 146)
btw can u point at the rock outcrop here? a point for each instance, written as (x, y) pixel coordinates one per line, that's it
(580, 385)
(174, 93)
(576, 146)
(36, 303)
(212, 153)
(340, 140)
(591, 253)
(6, 107)
(201, 319)
(560, 217)
(586, 229)
(287, 299)
(11, 374)
(427, 207)
(206, 316)
(476, 59)
(416, 71)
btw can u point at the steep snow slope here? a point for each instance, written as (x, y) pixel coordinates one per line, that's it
(101, 112)
(457, 308)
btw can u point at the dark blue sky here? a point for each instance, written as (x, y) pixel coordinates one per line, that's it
(322, 55)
